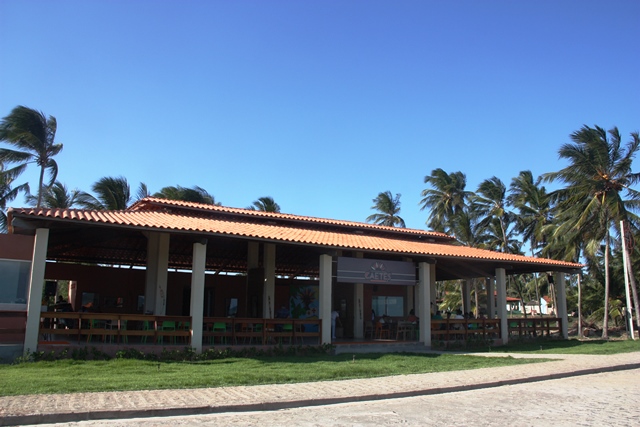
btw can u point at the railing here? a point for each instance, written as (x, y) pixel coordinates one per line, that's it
(534, 326)
(151, 329)
(115, 327)
(462, 329)
(260, 331)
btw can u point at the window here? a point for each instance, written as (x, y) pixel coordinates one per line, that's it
(14, 281)
(390, 306)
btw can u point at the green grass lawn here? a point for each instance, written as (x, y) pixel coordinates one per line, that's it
(572, 346)
(70, 376)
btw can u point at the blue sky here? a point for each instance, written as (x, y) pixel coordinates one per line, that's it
(319, 104)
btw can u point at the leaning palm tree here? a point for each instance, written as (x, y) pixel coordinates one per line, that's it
(195, 194)
(58, 196)
(265, 204)
(33, 136)
(388, 208)
(598, 176)
(445, 198)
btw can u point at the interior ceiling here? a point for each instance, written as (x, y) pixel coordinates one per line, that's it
(122, 246)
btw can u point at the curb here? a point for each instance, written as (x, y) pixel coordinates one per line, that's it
(11, 420)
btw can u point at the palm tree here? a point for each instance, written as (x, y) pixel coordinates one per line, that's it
(388, 208)
(8, 193)
(33, 136)
(58, 196)
(534, 214)
(195, 194)
(446, 198)
(265, 204)
(467, 230)
(490, 202)
(112, 193)
(142, 192)
(592, 202)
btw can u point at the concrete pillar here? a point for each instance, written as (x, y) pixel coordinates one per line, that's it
(501, 285)
(155, 299)
(358, 302)
(269, 294)
(561, 292)
(425, 283)
(325, 297)
(36, 283)
(491, 301)
(199, 262)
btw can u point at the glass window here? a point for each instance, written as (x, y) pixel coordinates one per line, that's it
(390, 306)
(14, 281)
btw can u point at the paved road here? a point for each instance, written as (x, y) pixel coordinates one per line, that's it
(610, 398)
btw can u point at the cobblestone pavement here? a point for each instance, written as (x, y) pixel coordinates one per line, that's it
(20, 410)
(608, 398)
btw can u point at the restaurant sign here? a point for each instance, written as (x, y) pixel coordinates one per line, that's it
(381, 272)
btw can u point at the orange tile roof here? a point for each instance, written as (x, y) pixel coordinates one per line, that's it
(150, 203)
(137, 216)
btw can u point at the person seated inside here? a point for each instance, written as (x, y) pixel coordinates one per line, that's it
(282, 313)
(412, 317)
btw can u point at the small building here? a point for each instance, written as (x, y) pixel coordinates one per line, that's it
(199, 263)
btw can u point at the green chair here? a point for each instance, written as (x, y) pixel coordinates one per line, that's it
(288, 327)
(168, 325)
(220, 327)
(146, 326)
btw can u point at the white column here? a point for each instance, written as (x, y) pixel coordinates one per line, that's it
(491, 301)
(199, 262)
(155, 299)
(562, 303)
(425, 283)
(36, 283)
(501, 285)
(269, 293)
(325, 297)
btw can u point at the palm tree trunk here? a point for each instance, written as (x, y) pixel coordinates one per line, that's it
(605, 321)
(579, 308)
(634, 291)
(477, 297)
(40, 185)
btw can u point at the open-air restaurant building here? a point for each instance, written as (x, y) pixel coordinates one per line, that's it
(166, 272)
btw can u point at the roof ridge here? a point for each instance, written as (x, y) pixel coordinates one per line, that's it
(279, 215)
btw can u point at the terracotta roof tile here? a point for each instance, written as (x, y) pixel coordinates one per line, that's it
(162, 220)
(152, 202)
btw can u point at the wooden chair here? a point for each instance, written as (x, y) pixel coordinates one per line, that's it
(368, 329)
(382, 330)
